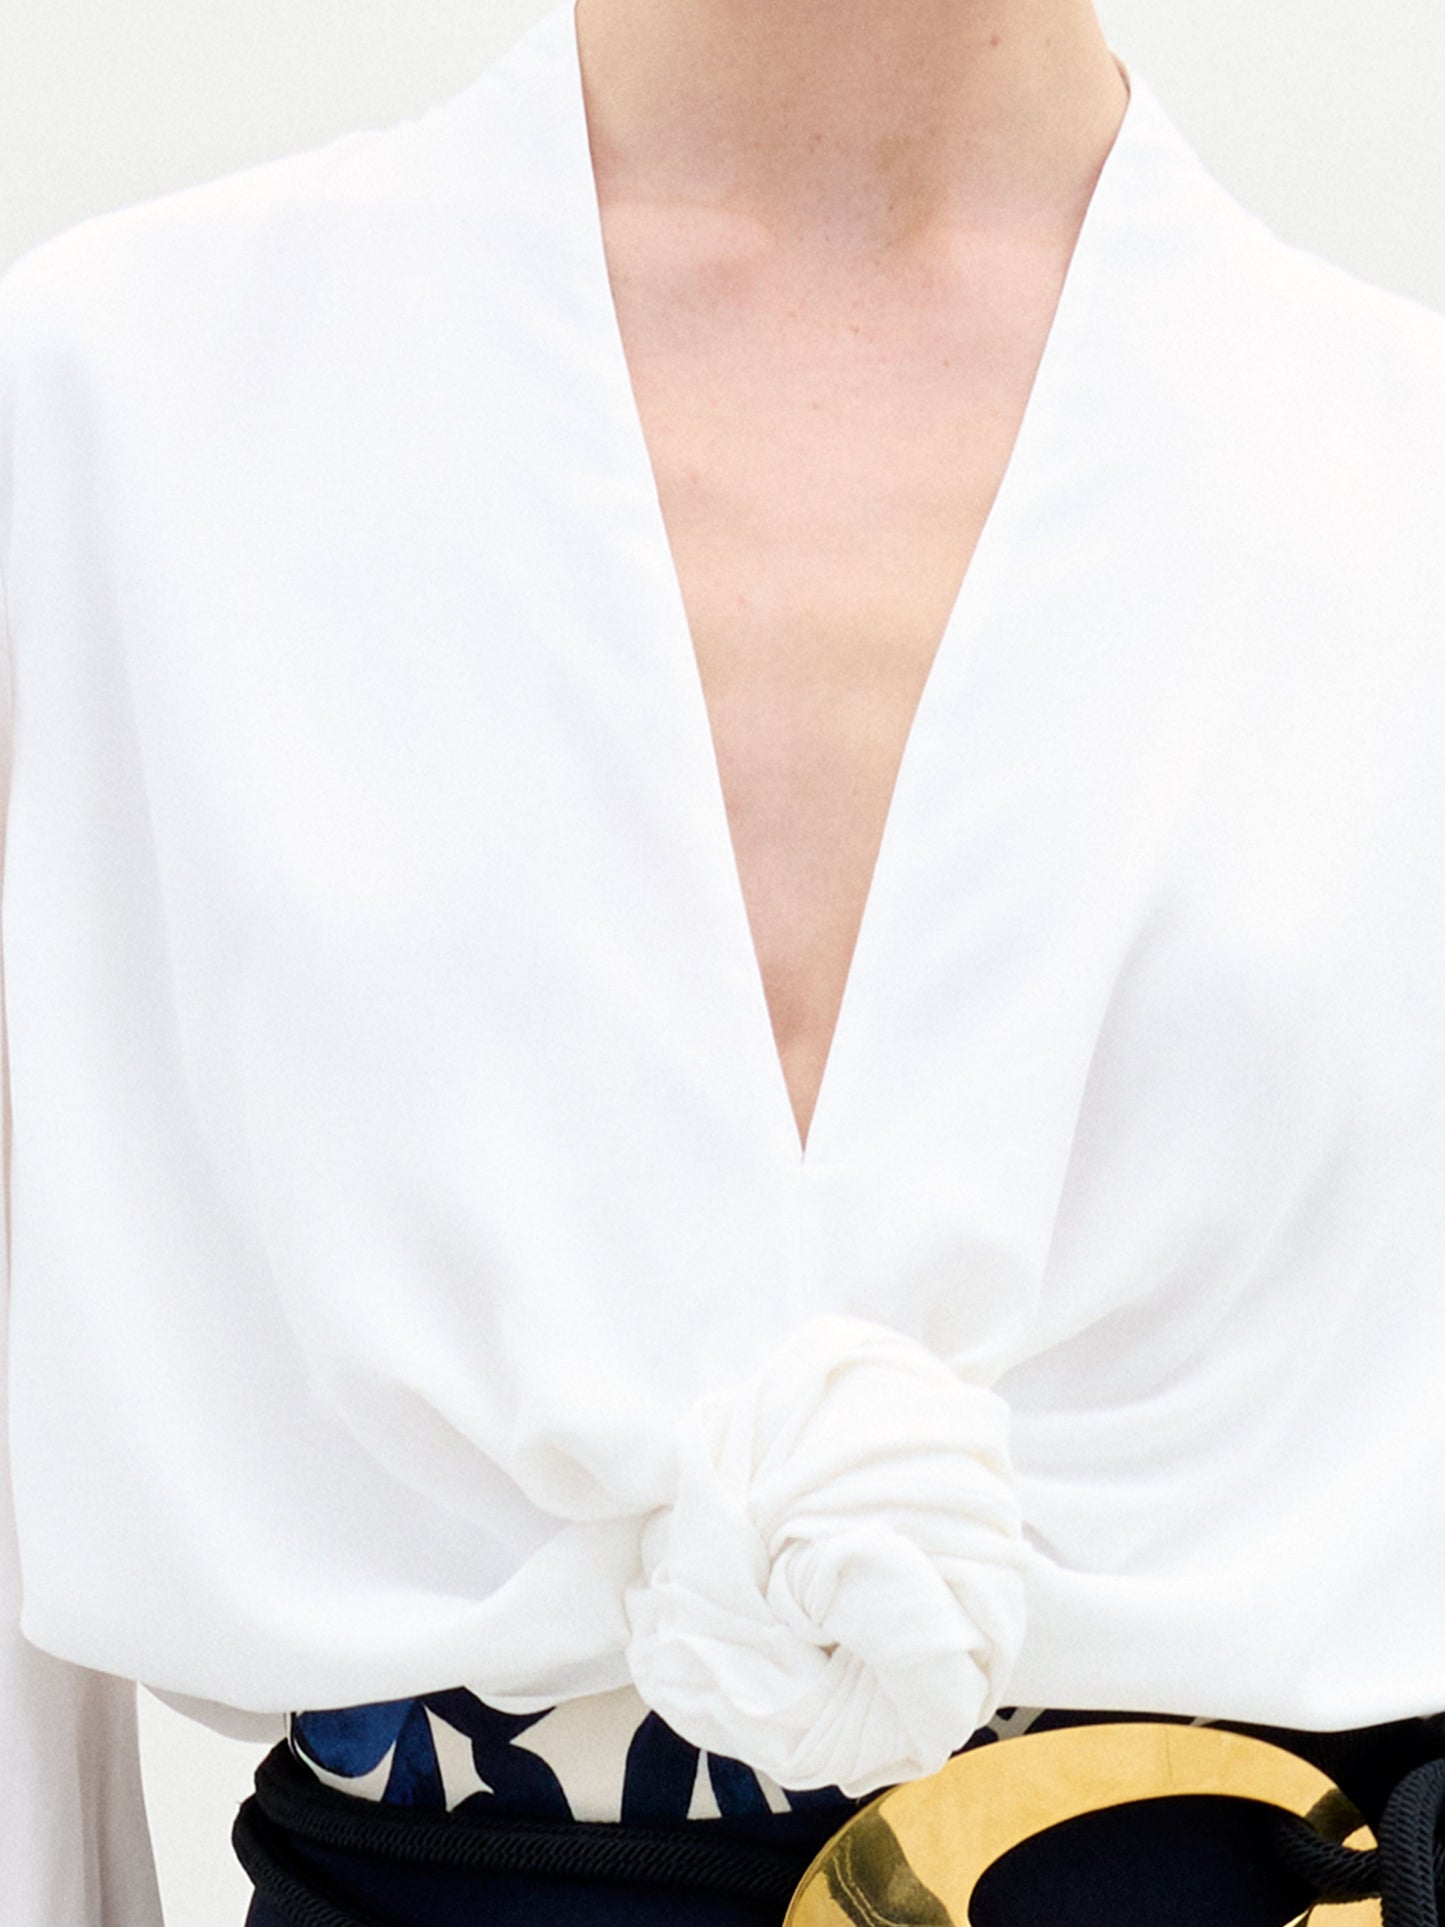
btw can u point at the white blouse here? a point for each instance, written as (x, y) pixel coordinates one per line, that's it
(415, 1278)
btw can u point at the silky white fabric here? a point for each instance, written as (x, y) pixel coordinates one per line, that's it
(411, 1247)
(854, 1472)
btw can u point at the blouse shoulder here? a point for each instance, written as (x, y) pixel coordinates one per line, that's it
(1355, 341)
(232, 241)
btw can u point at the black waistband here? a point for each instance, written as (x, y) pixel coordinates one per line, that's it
(754, 1857)
(313, 1853)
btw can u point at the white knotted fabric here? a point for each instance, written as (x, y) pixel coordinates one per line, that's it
(835, 1594)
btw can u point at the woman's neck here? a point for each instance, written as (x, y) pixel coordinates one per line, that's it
(852, 125)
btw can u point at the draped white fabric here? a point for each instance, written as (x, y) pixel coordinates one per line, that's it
(74, 1836)
(416, 1280)
(855, 1472)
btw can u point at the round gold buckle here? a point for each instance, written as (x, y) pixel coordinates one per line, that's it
(917, 1852)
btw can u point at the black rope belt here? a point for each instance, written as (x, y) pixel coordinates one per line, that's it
(1406, 1872)
(1382, 1780)
(290, 1801)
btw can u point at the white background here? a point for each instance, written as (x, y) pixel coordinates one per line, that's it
(1322, 117)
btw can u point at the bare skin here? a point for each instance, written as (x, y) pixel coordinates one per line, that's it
(836, 232)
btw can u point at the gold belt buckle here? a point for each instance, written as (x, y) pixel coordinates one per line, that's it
(913, 1856)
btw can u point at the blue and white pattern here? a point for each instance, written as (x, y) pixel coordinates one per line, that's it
(605, 1756)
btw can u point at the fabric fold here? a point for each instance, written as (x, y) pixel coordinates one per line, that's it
(835, 1594)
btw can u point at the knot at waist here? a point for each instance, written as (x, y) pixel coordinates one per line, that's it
(835, 1594)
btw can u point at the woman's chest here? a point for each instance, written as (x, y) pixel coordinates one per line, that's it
(825, 457)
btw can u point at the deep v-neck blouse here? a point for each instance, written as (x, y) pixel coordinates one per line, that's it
(671, 625)
(415, 1281)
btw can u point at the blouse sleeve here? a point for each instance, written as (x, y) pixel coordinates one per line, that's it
(75, 1847)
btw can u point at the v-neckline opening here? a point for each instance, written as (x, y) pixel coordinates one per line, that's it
(947, 652)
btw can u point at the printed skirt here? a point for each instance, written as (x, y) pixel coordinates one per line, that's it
(443, 1810)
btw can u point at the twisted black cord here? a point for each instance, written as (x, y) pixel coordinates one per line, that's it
(1329, 1871)
(292, 1801)
(1406, 1872)
(263, 1859)
(1409, 1848)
